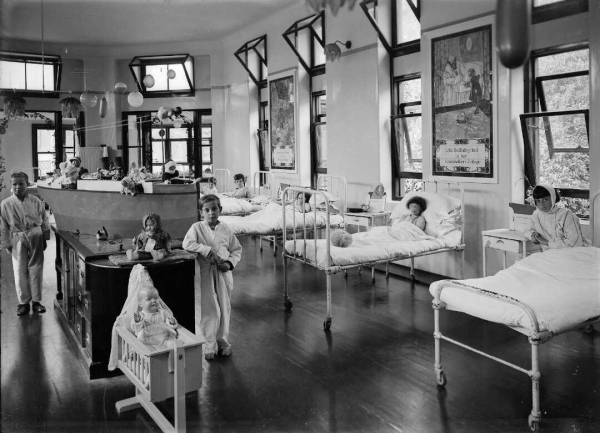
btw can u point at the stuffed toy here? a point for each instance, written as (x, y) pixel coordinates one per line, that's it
(62, 168)
(128, 186)
(341, 238)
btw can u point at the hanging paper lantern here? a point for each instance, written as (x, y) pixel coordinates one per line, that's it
(120, 88)
(102, 109)
(148, 81)
(14, 106)
(70, 107)
(135, 99)
(171, 74)
(512, 31)
(88, 99)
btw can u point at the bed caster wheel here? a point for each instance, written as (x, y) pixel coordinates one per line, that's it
(327, 325)
(287, 304)
(441, 379)
(533, 423)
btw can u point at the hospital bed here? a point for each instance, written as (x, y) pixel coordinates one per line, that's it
(444, 232)
(540, 296)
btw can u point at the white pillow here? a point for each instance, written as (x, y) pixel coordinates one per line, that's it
(318, 198)
(442, 210)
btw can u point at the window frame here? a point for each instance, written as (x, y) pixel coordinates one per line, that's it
(316, 121)
(142, 62)
(552, 11)
(37, 59)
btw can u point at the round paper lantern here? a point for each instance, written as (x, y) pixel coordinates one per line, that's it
(120, 88)
(171, 74)
(148, 81)
(88, 99)
(102, 109)
(512, 31)
(177, 111)
(177, 124)
(135, 99)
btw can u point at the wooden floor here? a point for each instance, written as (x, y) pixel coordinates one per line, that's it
(372, 373)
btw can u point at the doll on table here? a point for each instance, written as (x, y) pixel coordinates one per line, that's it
(153, 323)
(152, 243)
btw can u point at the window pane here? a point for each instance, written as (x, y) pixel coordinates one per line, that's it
(206, 132)
(207, 170)
(180, 81)
(46, 162)
(157, 169)
(410, 91)
(178, 133)
(45, 140)
(566, 132)
(537, 3)
(49, 77)
(321, 145)
(135, 155)
(184, 170)
(159, 73)
(12, 75)
(157, 152)
(408, 132)
(322, 105)
(179, 151)
(570, 61)
(567, 93)
(408, 26)
(206, 154)
(565, 170)
(156, 134)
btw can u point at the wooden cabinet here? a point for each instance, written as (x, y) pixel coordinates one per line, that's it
(92, 291)
(356, 222)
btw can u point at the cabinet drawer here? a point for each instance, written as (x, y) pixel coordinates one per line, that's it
(502, 244)
(358, 221)
(81, 273)
(84, 303)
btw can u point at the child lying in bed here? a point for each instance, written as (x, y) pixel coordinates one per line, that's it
(153, 325)
(416, 206)
(553, 226)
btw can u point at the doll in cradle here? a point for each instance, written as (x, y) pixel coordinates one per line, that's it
(154, 325)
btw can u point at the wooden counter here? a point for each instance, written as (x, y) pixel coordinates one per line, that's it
(92, 292)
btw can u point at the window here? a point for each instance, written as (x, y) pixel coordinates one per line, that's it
(44, 150)
(30, 74)
(407, 149)
(306, 37)
(206, 146)
(405, 33)
(319, 132)
(169, 142)
(546, 10)
(263, 135)
(160, 76)
(555, 131)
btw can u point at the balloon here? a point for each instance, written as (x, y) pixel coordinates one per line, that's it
(161, 132)
(512, 31)
(135, 99)
(102, 109)
(148, 81)
(120, 88)
(88, 99)
(171, 74)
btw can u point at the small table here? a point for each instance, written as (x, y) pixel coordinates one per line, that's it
(506, 240)
(366, 220)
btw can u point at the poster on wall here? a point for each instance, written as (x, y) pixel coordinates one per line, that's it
(462, 104)
(282, 124)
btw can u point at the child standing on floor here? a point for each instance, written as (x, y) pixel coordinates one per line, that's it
(553, 226)
(24, 230)
(217, 252)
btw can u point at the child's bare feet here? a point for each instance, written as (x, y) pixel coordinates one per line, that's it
(224, 351)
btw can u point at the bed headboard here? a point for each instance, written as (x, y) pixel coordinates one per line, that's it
(224, 179)
(336, 186)
(263, 183)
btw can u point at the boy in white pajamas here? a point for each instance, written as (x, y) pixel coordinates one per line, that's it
(24, 229)
(217, 252)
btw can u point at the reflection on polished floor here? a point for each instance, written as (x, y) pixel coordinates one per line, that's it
(372, 373)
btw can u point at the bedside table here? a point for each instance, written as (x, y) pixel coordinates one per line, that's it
(364, 220)
(507, 240)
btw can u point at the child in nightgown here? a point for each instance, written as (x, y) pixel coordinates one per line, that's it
(416, 206)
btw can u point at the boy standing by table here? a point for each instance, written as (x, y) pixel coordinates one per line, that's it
(24, 230)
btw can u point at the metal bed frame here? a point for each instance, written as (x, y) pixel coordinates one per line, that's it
(223, 176)
(333, 269)
(535, 336)
(264, 188)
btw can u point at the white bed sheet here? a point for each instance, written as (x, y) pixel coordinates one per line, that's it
(561, 286)
(379, 243)
(270, 219)
(233, 205)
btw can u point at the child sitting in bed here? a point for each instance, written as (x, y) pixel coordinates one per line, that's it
(241, 190)
(416, 206)
(153, 242)
(153, 324)
(301, 204)
(553, 226)
(211, 188)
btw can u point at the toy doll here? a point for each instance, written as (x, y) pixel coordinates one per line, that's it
(153, 324)
(152, 243)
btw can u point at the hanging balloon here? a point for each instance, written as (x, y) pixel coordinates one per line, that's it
(135, 99)
(161, 132)
(171, 74)
(88, 99)
(120, 88)
(177, 111)
(102, 109)
(177, 124)
(148, 81)
(513, 19)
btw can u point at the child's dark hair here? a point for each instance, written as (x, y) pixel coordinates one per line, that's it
(541, 192)
(16, 174)
(208, 198)
(212, 180)
(239, 176)
(417, 200)
(307, 196)
(154, 218)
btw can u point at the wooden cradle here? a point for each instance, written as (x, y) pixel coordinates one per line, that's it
(156, 377)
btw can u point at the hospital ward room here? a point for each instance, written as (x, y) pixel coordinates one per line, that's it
(300, 216)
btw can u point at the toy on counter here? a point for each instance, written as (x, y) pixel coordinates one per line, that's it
(102, 235)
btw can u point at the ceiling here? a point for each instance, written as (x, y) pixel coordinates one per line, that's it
(110, 22)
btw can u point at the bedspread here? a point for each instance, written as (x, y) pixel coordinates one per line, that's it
(233, 205)
(380, 243)
(561, 286)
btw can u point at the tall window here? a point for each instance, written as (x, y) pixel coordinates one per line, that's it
(555, 131)
(407, 134)
(263, 135)
(44, 150)
(166, 75)
(206, 145)
(319, 133)
(30, 74)
(173, 143)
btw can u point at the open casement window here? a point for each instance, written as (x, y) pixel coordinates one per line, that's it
(30, 74)
(556, 137)
(407, 135)
(547, 10)
(263, 136)
(306, 39)
(319, 133)
(253, 57)
(170, 75)
(397, 23)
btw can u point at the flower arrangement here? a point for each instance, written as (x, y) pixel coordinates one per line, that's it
(14, 106)
(70, 107)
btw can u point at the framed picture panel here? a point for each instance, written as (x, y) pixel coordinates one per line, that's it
(462, 87)
(282, 122)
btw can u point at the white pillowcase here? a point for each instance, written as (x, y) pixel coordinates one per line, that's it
(318, 198)
(442, 213)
